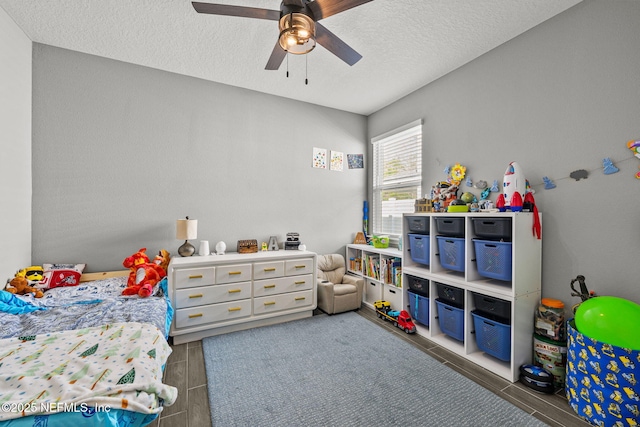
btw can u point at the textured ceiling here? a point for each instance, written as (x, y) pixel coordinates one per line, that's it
(405, 44)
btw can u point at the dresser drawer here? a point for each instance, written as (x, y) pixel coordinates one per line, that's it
(282, 284)
(270, 304)
(186, 317)
(293, 267)
(233, 273)
(191, 277)
(265, 270)
(212, 294)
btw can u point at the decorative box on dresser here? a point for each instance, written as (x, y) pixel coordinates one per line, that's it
(217, 294)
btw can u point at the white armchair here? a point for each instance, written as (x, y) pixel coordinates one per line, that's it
(337, 291)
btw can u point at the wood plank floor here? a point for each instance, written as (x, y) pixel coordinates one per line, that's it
(185, 370)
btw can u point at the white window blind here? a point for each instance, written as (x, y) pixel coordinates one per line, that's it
(397, 177)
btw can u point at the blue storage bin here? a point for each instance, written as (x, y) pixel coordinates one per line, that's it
(451, 320)
(493, 259)
(419, 247)
(492, 337)
(451, 252)
(419, 308)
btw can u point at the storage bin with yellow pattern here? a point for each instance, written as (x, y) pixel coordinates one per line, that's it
(602, 381)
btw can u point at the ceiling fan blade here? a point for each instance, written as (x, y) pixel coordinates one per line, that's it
(244, 12)
(324, 8)
(335, 45)
(276, 58)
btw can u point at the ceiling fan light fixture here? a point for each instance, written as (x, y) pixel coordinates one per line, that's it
(297, 33)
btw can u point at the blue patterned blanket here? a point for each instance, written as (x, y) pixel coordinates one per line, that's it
(87, 305)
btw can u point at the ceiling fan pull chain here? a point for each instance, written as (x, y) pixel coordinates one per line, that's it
(306, 69)
(287, 64)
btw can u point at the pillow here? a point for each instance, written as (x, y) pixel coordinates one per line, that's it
(56, 275)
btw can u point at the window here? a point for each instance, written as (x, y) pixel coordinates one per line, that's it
(397, 177)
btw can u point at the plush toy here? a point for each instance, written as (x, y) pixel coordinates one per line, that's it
(20, 286)
(33, 274)
(144, 273)
(162, 259)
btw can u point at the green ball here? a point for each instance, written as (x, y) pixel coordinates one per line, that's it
(610, 320)
(467, 197)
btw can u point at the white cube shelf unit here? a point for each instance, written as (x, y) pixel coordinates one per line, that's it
(381, 270)
(522, 288)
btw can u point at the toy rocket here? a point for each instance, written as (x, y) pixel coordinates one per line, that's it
(514, 181)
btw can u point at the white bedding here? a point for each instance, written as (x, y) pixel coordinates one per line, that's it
(113, 366)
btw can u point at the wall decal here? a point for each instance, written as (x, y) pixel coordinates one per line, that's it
(355, 161)
(319, 158)
(579, 174)
(608, 166)
(337, 157)
(480, 185)
(548, 184)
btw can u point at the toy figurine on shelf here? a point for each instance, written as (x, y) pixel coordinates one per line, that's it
(514, 182)
(443, 193)
(457, 174)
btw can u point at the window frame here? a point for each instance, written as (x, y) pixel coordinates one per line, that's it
(379, 184)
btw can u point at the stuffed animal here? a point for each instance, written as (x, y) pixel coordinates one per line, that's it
(144, 274)
(33, 274)
(20, 286)
(162, 259)
(132, 262)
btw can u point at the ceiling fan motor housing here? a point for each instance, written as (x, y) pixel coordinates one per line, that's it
(297, 29)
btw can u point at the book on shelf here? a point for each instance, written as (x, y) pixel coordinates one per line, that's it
(392, 271)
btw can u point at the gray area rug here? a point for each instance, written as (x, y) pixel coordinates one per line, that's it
(341, 370)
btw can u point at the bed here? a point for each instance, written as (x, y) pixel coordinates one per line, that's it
(84, 355)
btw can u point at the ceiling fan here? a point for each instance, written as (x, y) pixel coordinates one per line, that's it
(298, 25)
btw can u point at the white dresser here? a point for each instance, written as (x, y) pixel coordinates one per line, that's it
(216, 294)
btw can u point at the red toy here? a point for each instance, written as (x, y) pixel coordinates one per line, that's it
(537, 227)
(500, 203)
(144, 274)
(401, 319)
(516, 202)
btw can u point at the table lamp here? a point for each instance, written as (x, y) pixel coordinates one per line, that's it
(186, 229)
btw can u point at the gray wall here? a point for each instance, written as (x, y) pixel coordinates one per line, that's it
(558, 98)
(122, 151)
(15, 148)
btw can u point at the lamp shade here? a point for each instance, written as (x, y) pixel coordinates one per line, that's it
(186, 229)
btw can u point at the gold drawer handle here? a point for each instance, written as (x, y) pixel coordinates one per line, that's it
(300, 298)
(235, 308)
(196, 296)
(270, 269)
(196, 276)
(191, 316)
(234, 273)
(234, 291)
(269, 286)
(300, 266)
(300, 282)
(270, 303)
